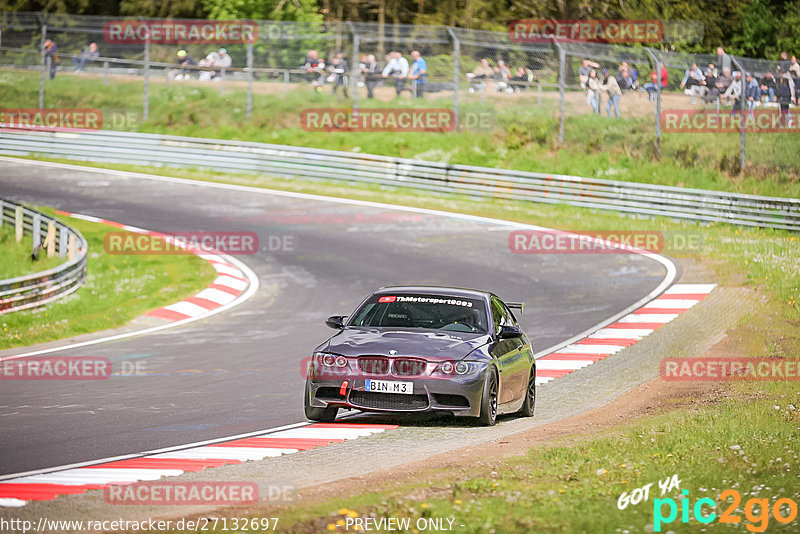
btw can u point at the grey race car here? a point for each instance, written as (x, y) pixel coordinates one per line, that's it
(418, 349)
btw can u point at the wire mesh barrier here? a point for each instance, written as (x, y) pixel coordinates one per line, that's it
(462, 66)
(293, 162)
(48, 236)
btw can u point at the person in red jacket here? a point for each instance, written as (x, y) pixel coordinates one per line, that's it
(651, 88)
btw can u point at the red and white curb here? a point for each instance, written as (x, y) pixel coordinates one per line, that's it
(625, 332)
(231, 281)
(16, 492)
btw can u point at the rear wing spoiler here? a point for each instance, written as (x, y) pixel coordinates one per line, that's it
(516, 306)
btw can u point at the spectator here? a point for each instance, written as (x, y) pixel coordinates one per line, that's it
(419, 74)
(338, 69)
(734, 91)
(724, 82)
(225, 60)
(502, 75)
(784, 92)
(714, 70)
(768, 87)
(784, 62)
(752, 92)
(87, 54)
(315, 70)
(185, 62)
(624, 79)
(692, 79)
(610, 86)
(794, 67)
(371, 72)
(479, 76)
(583, 72)
(51, 56)
(214, 60)
(651, 87)
(593, 91)
(397, 68)
(520, 80)
(723, 60)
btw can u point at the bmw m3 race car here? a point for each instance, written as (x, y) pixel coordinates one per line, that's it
(421, 349)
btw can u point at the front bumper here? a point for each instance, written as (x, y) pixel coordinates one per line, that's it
(460, 395)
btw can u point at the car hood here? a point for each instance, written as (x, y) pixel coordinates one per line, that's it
(428, 344)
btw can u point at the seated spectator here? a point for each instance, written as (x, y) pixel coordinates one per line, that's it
(651, 87)
(502, 75)
(711, 92)
(479, 76)
(724, 81)
(521, 79)
(714, 70)
(87, 54)
(185, 62)
(397, 68)
(692, 79)
(752, 92)
(213, 61)
(768, 87)
(613, 92)
(315, 70)
(734, 91)
(338, 70)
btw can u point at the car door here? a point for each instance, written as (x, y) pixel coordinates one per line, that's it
(512, 361)
(522, 357)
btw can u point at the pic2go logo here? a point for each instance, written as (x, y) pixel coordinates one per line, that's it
(757, 522)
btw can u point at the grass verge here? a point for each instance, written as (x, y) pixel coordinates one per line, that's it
(117, 289)
(16, 258)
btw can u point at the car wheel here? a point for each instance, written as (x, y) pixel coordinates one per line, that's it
(488, 415)
(323, 415)
(530, 396)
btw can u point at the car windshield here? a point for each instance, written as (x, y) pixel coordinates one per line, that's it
(440, 312)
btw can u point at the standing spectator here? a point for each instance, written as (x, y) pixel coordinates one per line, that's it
(692, 78)
(479, 76)
(87, 54)
(794, 67)
(624, 79)
(185, 62)
(784, 62)
(371, 71)
(752, 93)
(613, 92)
(785, 94)
(651, 87)
(419, 74)
(51, 56)
(723, 60)
(593, 91)
(768, 87)
(583, 71)
(315, 70)
(397, 68)
(339, 69)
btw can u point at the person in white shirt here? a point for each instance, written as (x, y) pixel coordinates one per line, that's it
(397, 68)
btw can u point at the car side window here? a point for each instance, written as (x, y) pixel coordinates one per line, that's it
(498, 315)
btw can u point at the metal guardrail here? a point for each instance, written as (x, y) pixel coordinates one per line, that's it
(291, 162)
(45, 286)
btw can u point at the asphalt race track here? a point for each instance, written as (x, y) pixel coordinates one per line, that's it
(240, 371)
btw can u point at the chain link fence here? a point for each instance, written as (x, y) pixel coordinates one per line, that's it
(467, 67)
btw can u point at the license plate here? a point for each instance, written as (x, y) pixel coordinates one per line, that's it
(389, 386)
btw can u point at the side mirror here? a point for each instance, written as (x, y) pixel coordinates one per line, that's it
(509, 332)
(336, 322)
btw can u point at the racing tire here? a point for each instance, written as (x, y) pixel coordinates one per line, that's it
(488, 415)
(322, 415)
(530, 396)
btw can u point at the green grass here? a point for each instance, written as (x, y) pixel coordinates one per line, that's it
(16, 258)
(525, 137)
(117, 289)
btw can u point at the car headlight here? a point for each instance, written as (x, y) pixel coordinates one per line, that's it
(457, 368)
(330, 360)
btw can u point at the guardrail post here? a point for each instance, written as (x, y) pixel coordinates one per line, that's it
(249, 104)
(72, 247)
(37, 231)
(456, 74)
(562, 73)
(62, 242)
(45, 69)
(18, 227)
(50, 240)
(146, 104)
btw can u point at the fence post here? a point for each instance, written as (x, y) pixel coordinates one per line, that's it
(36, 230)
(18, 224)
(742, 111)
(146, 104)
(105, 72)
(45, 66)
(222, 80)
(658, 101)
(456, 75)
(249, 106)
(562, 72)
(286, 81)
(354, 67)
(62, 242)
